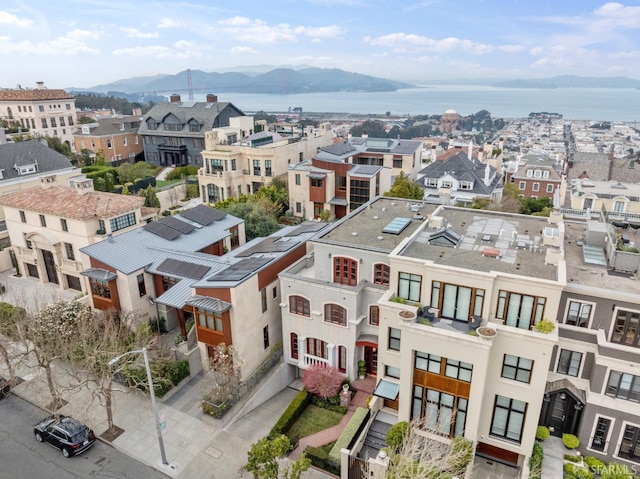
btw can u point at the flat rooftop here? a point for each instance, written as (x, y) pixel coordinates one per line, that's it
(485, 241)
(364, 228)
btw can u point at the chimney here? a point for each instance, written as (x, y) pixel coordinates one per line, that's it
(40, 85)
(175, 98)
(487, 172)
(434, 154)
(212, 98)
(136, 111)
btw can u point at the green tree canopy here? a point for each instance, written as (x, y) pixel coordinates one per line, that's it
(258, 220)
(373, 128)
(130, 172)
(264, 460)
(403, 187)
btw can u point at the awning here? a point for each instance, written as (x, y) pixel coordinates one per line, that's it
(209, 304)
(370, 340)
(387, 390)
(98, 274)
(317, 176)
(338, 201)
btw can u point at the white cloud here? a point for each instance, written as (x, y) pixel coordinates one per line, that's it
(236, 21)
(243, 50)
(169, 23)
(181, 50)
(135, 33)
(330, 31)
(7, 18)
(410, 41)
(257, 31)
(616, 15)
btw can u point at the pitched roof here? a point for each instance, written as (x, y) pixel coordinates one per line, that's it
(29, 153)
(205, 113)
(67, 202)
(113, 126)
(38, 94)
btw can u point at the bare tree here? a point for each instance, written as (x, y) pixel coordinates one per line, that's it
(176, 194)
(223, 378)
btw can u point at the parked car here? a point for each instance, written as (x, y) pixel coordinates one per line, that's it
(5, 387)
(65, 433)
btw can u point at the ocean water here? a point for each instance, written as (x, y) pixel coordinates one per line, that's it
(607, 104)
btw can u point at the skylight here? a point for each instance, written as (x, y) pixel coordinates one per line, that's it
(397, 225)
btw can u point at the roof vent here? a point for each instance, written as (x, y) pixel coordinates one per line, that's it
(355, 233)
(380, 238)
(376, 217)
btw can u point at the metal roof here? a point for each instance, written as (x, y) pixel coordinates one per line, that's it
(209, 304)
(99, 274)
(272, 244)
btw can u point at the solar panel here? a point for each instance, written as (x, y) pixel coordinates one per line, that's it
(161, 230)
(269, 245)
(176, 224)
(307, 228)
(397, 225)
(203, 214)
(183, 268)
(240, 270)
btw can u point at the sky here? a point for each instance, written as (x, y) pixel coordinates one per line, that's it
(83, 43)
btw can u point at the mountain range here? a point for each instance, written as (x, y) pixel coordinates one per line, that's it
(277, 81)
(570, 81)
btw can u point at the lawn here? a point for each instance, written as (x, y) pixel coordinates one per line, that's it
(312, 420)
(161, 183)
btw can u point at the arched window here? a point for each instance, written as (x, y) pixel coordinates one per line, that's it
(374, 315)
(299, 305)
(336, 314)
(317, 347)
(381, 274)
(345, 271)
(342, 359)
(294, 345)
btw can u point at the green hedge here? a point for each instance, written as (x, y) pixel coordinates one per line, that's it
(577, 471)
(165, 375)
(351, 429)
(291, 414)
(535, 463)
(319, 458)
(181, 171)
(331, 404)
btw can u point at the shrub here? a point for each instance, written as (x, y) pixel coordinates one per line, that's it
(397, 434)
(181, 171)
(535, 463)
(330, 404)
(351, 429)
(156, 325)
(542, 433)
(545, 326)
(398, 299)
(322, 381)
(616, 470)
(460, 454)
(572, 458)
(570, 441)
(320, 458)
(595, 465)
(289, 416)
(165, 375)
(579, 472)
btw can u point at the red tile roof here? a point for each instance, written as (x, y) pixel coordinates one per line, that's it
(34, 95)
(68, 203)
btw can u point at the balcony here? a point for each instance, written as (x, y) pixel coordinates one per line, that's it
(308, 361)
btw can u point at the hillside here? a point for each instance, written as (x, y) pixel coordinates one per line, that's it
(570, 81)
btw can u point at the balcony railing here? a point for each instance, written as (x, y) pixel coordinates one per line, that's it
(309, 361)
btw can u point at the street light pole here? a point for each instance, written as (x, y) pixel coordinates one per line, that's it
(151, 393)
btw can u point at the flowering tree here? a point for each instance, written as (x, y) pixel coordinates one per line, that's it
(223, 377)
(322, 381)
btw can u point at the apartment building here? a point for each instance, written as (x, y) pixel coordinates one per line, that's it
(117, 137)
(237, 161)
(343, 176)
(537, 177)
(40, 111)
(173, 133)
(49, 225)
(620, 199)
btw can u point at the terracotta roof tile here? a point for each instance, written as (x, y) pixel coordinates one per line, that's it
(68, 203)
(34, 95)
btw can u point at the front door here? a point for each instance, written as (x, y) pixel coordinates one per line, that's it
(371, 358)
(563, 413)
(50, 267)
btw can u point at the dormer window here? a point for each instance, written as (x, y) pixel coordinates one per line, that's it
(529, 173)
(85, 130)
(545, 174)
(152, 125)
(26, 169)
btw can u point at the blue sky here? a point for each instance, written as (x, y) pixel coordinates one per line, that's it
(83, 43)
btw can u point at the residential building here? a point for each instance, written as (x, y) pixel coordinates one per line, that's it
(49, 225)
(28, 164)
(343, 176)
(537, 178)
(40, 111)
(237, 162)
(460, 179)
(116, 136)
(173, 133)
(621, 200)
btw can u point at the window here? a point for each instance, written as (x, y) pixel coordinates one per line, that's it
(630, 445)
(274, 292)
(618, 206)
(256, 167)
(549, 188)
(267, 168)
(341, 183)
(517, 368)
(63, 224)
(109, 143)
(374, 315)
(265, 336)
(600, 435)
(443, 413)
(317, 347)
(297, 178)
(100, 288)
(43, 221)
(578, 314)
(345, 271)
(431, 182)
(569, 362)
(23, 217)
(392, 372)
(519, 310)
(142, 289)
(41, 108)
(298, 207)
(409, 286)
(394, 339)
(335, 314)
(70, 118)
(522, 185)
(537, 173)
(168, 282)
(68, 247)
(359, 193)
(294, 345)
(101, 225)
(122, 222)
(194, 127)
(458, 370)
(62, 122)
(53, 123)
(625, 328)
(342, 359)
(428, 362)
(210, 320)
(27, 242)
(465, 185)
(316, 182)
(263, 299)
(508, 418)
(456, 302)
(397, 162)
(624, 386)
(299, 305)
(447, 184)
(381, 274)
(536, 187)
(235, 237)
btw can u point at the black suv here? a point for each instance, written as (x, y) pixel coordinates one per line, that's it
(65, 433)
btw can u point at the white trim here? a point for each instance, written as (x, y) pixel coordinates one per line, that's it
(557, 362)
(575, 300)
(619, 441)
(613, 324)
(607, 438)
